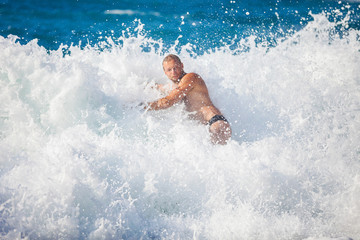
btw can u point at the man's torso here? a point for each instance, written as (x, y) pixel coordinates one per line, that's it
(198, 100)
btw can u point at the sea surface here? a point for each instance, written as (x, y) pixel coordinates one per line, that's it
(80, 160)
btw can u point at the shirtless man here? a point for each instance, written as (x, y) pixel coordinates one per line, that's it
(191, 88)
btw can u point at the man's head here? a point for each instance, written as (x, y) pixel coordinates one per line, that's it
(173, 67)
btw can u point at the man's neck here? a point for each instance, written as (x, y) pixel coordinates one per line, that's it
(182, 75)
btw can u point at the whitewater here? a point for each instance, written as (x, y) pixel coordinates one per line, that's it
(80, 160)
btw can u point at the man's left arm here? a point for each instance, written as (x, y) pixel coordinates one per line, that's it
(174, 96)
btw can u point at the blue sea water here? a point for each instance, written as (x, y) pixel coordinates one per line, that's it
(206, 24)
(79, 160)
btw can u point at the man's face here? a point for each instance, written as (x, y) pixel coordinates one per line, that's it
(173, 69)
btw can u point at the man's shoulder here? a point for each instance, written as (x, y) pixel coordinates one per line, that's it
(192, 80)
(194, 77)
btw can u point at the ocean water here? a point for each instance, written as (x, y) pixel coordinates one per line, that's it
(79, 160)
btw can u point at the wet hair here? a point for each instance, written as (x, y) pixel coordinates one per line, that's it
(171, 57)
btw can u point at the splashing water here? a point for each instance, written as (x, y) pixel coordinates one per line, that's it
(79, 161)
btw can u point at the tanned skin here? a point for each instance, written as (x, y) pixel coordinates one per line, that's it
(191, 88)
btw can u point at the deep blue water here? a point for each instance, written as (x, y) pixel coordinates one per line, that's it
(204, 24)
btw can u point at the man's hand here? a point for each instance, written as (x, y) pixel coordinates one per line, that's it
(143, 106)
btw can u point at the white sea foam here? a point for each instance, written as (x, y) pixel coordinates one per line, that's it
(78, 161)
(130, 12)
